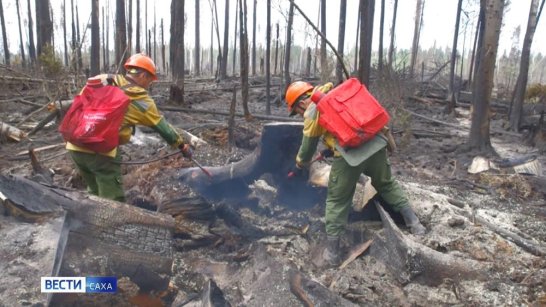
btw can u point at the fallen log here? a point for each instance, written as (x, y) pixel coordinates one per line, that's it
(11, 132)
(105, 238)
(410, 261)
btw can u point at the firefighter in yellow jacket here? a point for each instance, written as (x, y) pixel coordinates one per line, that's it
(371, 161)
(102, 171)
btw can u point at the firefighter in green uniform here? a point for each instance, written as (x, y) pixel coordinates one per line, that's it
(343, 175)
(101, 171)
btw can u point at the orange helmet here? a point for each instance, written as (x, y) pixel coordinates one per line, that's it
(142, 61)
(293, 92)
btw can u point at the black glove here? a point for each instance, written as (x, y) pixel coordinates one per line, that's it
(186, 150)
(296, 171)
(326, 153)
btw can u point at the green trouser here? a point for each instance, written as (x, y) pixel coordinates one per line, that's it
(342, 186)
(101, 174)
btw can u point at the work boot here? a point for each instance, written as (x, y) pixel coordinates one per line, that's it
(331, 254)
(412, 221)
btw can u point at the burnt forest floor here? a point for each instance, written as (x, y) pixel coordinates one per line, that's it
(430, 163)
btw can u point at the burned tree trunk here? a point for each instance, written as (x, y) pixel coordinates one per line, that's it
(381, 28)
(366, 33)
(287, 80)
(416, 34)
(137, 37)
(324, 70)
(393, 27)
(4, 36)
(276, 49)
(102, 237)
(22, 44)
(254, 37)
(223, 64)
(121, 36)
(64, 36)
(44, 26)
(95, 38)
(130, 29)
(479, 138)
(31, 47)
(177, 51)
(452, 96)
(341, 39)
(243, 36)
(197, 55)
(268, 60)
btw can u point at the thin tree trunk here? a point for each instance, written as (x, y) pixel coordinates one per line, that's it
(22, 45)
(130, 29)
(121, 36)
(474, 50)
(79, 42)
(479, 138)
(74, 39)
(393, 28)
(450, 106)
(64, 32)
(163, 58)
(177, 51)
(235, 27)
(416, 34)
(341, 39)
(268, 60)
(355, 68)
(324, 70)
(154, 47)
(104, 53)
(214, 7)
(288, 46)
(4, 36)
(146, 40)
(197, 64)
(107, 27)
(223, 68)
(211, 55)
(276, 49)
(366, 21)
(381, 28)
(521, 85)
(308, 63)
(137, 38)
(243, 36)
(95, 38)
(254, 38)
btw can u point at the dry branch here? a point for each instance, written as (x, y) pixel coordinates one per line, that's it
(11, 132)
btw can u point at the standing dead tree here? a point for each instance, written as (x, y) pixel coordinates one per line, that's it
(121, 36)
(516, 112)
(479, 138)
(177, 55)
(95, 38)
(197, 54)
(416, 34)
(44, 26)
(450, 106)
(243, 36)
(22, 45)
(4, 37)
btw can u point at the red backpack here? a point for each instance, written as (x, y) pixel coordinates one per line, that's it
(94, 119)
(350, 113)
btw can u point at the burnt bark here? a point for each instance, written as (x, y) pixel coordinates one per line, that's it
(341, 39)
(121, 36)
(324, 70)
(243, 36)
(268, 60)
(95, 38)
(44, 26)
(381, 28)
(130, 28)
(276, 49)
(22, 45)
(287, 80)
(416, 34)
(223, 67)
(393, 28)
(31, 47)
(479, 138)
(137, 38)
(452, 95)
(254, 38)
(366, 33)
(177, 51)
(4, 36)
(197, 55)
(65, 35)
(521, 85)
